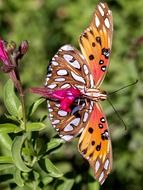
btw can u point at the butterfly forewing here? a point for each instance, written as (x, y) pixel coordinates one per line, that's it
(96, 41)
(68, 68)
(95, 144)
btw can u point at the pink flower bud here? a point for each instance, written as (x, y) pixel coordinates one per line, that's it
(23, 48)
(10, 47)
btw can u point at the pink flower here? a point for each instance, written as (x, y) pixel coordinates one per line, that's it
(3, 54)
(8, 66)
(65, 96)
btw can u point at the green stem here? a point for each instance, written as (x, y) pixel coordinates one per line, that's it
(23, 109)
(20, 90)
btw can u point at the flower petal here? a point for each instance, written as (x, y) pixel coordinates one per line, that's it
(3, 54)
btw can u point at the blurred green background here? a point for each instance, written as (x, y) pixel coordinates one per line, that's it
(49, 24)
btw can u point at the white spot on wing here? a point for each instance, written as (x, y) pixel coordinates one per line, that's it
(92, 103)
(67, 57)
(47, 79)
(57, 129)
(49, 75)
(109, 12)
(107, 23)
(97, 165)
(67, 137)
(79, 87)
(91, 81)
(75, 63)
(101, 10)
(52, 86)
(80, 131)
(77, 77)
(91, 106)
(68, 128)
(48, 105)
(106, 164)
(62, 113)
(85, 69)
(50, 110)
(85, 117)
(102, 5)
(101, 176)
(57, 105)
(97, 22)
(50, 116)
(60, 79)
(62, 72)
(55, 63)
(56, 121)
(65, 86)
(75, 121)
(82, 57)
(67, 48)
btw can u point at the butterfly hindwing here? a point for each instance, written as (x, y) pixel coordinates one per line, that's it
(70, 124)
(95, 144)
(96, 41)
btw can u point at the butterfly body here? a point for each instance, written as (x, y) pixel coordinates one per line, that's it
(94, 94)
(73, 92)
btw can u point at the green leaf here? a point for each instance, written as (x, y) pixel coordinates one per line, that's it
(54, 143)
(94, 185)
(17, 177)
(35, 126)
(11, 101)
(11, 117)
(6, 159)
(9, 128)
(25, 187)
(5, 141)
(52, 169)
(46, 180)
(66, 185)
(16, 153)
(35, 105)
(5, 166)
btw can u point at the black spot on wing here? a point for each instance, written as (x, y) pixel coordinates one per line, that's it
(91, 57)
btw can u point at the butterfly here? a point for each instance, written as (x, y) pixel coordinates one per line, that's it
(73, 80)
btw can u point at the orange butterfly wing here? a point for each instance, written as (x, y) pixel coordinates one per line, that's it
(96, 41)
(95, 144)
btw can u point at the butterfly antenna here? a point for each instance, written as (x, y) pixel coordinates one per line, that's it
(117, 113)
(123, 87)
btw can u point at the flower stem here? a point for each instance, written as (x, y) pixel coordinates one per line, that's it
(21, 93)
(23, 109)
